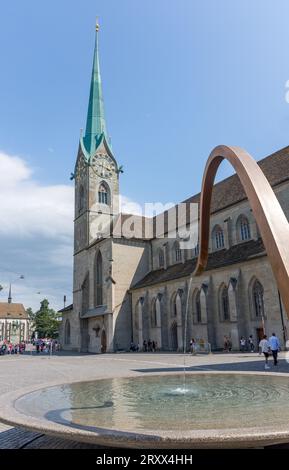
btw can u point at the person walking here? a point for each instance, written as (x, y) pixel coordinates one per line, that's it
(243, 344)
(251, 343)
(264, 346)
(275, 347)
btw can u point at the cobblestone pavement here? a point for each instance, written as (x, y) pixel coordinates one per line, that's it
(23, 371)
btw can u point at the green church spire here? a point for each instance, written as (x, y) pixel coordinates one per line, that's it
(95, 123)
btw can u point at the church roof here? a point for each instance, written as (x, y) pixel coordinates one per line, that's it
(217, 259)
(12, 310)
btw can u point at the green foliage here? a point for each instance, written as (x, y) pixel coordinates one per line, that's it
(45, 321)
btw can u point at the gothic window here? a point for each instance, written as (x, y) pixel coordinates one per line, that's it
(161, 258)
(67, 332)
(174, 310)
(154, 320)
(98, 280)
(85, 294)
(196, 250)
(178, 252)
(218, 237)
(258, 299)
(103, 194)
(198, 310)
(243, 228)
(81, 198)
(224, 304)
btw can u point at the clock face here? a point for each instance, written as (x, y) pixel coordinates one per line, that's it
(103, 166)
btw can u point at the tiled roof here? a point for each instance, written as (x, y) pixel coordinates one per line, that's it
(235, 254)
(66, 309)
(12, 310)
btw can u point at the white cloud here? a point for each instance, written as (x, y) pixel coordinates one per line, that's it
(28, 208)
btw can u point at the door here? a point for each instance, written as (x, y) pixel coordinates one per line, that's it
(174, 336)
(260, 334)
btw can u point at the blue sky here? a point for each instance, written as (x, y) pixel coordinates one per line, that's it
(179, 77)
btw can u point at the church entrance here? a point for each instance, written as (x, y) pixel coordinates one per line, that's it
(174, 336)
(103, 341)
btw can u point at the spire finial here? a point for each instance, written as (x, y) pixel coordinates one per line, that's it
(97, 25)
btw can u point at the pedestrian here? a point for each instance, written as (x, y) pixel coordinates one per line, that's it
(153, 346)
(229, 343)
(251, 343)
(192, 346)
(225, 343)
(264, 345)
(275, 347)
(243, 344)
(145, 345)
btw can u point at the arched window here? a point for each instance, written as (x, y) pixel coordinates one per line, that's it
(81, 198)
(154, 319)
(161, 258)
(103, 194)
(174, 310)
(178, 252)
(198, 310)
(218, 237)
(98, 280)
(258, 299)
(85, 294)
(243, 228)
(224, 304)
(67, 332)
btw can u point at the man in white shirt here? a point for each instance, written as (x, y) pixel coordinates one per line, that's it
(264, 345)
(275, 347)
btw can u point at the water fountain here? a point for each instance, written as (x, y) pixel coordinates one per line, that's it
(185, 410)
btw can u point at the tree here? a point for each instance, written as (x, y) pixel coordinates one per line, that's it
(46, 321)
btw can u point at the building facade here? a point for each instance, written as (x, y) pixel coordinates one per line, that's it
(136, 288)
(14, 322)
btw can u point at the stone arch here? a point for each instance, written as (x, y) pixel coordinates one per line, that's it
(270, 218)
(196, 306)
(256, 299)
(174, 346)
(224, 304)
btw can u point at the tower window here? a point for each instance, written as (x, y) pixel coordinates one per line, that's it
(103, 194)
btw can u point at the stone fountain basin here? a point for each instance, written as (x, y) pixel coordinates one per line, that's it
(241, 437)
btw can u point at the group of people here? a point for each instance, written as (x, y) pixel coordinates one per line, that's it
(247, 345)
(46, 345)
(6, 347)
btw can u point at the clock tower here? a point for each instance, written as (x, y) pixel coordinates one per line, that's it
(96, 171)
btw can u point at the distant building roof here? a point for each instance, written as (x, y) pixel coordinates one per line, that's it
(12, 310)
(66, 309)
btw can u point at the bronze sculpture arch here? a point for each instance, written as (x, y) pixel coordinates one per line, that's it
(271, 220)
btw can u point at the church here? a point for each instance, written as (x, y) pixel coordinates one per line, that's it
(131, 284)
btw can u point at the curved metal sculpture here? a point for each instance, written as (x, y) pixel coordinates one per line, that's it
(271, 220)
